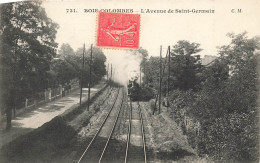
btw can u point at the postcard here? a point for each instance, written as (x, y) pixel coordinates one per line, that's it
(129, 81)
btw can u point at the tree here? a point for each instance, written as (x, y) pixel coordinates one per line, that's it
(65, 51)
(144, 57)
(227, 105)
(184, 66)
(230, 84)
(98, 63)
(241, 57)
(64, 71)
(67, 66)
(27, 47)
(151, 72)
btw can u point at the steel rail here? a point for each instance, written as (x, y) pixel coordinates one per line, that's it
(101, 126)
(143, 136)
(129, 131)
(113, 128)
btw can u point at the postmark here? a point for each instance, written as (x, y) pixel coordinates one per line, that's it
(118, 30)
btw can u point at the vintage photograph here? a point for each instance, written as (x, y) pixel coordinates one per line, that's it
(129, 81)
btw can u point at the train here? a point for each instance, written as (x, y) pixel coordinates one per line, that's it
(134, 90)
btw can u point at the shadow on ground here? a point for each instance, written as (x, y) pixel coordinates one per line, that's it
(40, 145)
(56, 141)
(48, 143)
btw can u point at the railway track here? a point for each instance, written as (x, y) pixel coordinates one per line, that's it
(132, 149)
(136, 147)
(98, 145)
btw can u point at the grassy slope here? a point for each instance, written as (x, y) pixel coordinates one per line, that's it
(168, 141)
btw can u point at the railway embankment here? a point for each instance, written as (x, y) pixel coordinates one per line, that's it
(53, 140)
(165, 139)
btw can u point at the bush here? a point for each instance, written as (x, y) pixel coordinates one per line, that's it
(146, 94)
(232, 137)
(152, 106)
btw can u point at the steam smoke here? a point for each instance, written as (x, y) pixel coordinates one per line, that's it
(125, 63)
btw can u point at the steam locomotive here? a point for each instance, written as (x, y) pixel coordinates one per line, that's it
(133, 89)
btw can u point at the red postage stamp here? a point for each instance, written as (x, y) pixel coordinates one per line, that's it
(118, 30)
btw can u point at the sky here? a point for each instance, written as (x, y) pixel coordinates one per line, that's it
(164, 29)
(207, 29)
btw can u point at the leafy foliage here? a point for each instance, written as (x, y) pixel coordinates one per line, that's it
(65, 51)
(227, 103)
(151, 72)
(98, 63)
(222, 96)
(27, 47)
(184, 66)
(64, 71)
(69, 65)
(231, 137)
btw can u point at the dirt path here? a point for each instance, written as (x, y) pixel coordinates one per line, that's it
(26, 122)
